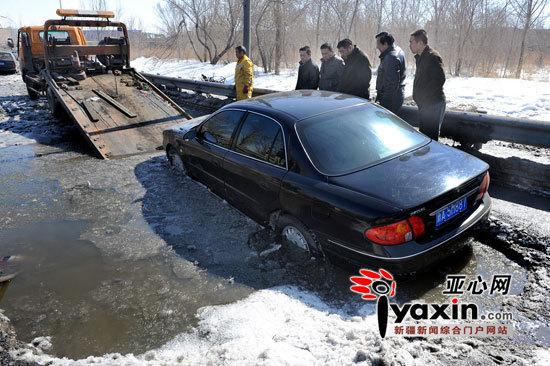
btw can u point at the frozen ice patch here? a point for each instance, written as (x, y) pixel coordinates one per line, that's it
(282, 325)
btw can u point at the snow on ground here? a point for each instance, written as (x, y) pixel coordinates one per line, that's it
(286, 326)
(509, 97)
(543, 357)
(282, 325)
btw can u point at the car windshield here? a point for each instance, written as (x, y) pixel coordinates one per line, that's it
(5, 57)
(58, 35)
(344, 141)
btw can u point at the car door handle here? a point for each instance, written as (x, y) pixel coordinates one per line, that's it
(217, 164)
(264, 185)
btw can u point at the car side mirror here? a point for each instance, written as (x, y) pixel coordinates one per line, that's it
(210, 138)
(10, 43)
(190, 135)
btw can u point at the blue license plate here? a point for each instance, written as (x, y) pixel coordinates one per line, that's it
(448, 212)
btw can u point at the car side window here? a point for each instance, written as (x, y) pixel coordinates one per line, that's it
(219, 128)
(261, 138)
(277, 155)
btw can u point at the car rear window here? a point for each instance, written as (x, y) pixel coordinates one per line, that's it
(5, 57)
(344, 141)
(58, 35)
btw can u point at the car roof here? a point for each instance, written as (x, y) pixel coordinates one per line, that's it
(298, 104)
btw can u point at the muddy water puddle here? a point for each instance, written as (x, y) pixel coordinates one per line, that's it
(72, 287)
(91, 305)
(89, 300)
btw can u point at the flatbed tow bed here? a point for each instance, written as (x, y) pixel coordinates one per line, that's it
(118, 110)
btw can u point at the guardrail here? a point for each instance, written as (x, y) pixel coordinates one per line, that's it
(464, 127)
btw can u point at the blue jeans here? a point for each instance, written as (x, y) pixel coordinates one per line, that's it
(431, 118)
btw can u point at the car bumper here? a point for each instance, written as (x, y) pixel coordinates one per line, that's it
(418, 257)
(8, 70)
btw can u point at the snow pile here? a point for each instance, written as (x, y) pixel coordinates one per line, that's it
(542, 357)
(282, 325)
(509, 97)
(192, 69)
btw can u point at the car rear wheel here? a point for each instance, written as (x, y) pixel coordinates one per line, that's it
(297, 238)
(175, 161)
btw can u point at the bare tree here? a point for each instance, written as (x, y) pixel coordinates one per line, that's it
(214, 24)
(530, 11)
(473, 36)
(463, 14)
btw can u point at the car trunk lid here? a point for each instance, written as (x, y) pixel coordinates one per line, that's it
(430, 175)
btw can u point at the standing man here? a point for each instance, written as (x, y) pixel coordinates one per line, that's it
(308, 72)
(331, 69)
(428, 84)
(355, 79)
(390, 82)
(244, 74)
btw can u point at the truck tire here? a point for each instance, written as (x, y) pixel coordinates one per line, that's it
(32, 94)
(55, 106)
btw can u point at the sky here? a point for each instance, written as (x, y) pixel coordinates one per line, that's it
(34, 12)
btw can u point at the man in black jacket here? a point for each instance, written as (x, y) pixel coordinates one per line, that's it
(331, 69)
(428, 84)
(390, 79)
(308, 72)
(355, 79)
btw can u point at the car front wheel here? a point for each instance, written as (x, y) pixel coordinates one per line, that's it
(175, 161)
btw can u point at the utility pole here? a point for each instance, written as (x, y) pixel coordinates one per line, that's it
(246, 26)
(278, 35)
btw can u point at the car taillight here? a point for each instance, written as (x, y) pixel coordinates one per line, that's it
(397, 233)
(484, 186)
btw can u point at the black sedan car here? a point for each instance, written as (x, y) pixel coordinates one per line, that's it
(7, 63)
(337, 175)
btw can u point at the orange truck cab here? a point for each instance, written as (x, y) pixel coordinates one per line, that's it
(30, 49)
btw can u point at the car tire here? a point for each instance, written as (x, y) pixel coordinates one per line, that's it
(297, 238)
(32, 94)
(176, 161)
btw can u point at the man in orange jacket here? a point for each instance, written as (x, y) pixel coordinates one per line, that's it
(244, 74)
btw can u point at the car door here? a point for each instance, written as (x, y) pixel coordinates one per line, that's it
(256, 165)
(206, 151)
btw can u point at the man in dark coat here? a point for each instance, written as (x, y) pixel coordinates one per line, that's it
(331, 69)
(390, 79)
(308, 72)
(355, 79)
(428, 84)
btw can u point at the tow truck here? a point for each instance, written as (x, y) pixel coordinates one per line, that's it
(118, 110)
(30, 51)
